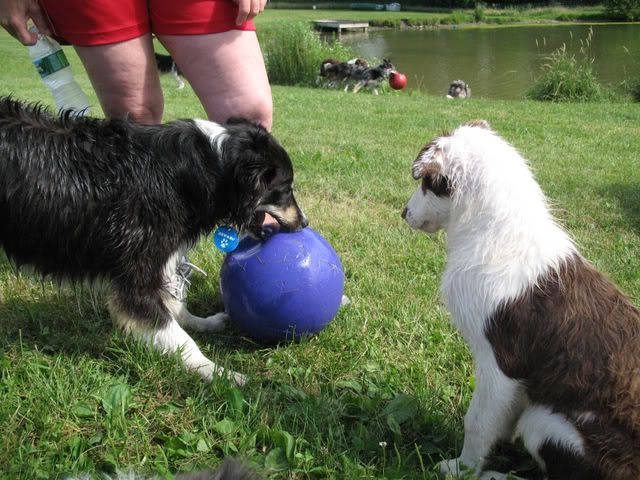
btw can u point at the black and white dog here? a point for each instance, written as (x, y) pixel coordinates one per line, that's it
(334, 73)
(372, 77)
(459, 89)
(166, 64)
(86, 199)
(355, 73)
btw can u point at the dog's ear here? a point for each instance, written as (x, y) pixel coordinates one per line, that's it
(428, 162)
(478, 123)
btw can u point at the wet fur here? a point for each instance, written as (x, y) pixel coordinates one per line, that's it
(85, 199)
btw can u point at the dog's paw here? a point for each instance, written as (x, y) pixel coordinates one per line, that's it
(214, 323)
(452, 468)
(240, 379)
(210, 370)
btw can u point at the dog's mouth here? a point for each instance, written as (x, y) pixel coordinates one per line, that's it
(290, 218)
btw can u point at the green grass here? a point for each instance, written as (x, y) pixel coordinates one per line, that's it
(79, 396)
(434, 17)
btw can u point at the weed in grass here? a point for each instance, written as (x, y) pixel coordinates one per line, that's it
(566, 78)
(293, 52)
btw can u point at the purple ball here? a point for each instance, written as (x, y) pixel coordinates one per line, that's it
(283, 287)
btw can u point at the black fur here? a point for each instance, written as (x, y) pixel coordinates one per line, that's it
(84, 198)
(166, 64)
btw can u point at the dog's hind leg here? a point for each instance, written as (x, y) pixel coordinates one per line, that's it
(150, 315)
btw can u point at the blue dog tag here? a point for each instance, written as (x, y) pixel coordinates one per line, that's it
(226, 239)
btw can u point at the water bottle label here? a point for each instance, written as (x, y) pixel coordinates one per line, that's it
(51, 63)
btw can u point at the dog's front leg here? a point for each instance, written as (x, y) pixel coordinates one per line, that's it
(496, 404)
(212, 324)
(153, 319)
(173, 338)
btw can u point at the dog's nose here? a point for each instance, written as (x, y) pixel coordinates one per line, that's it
(305, 221)
(404, 213)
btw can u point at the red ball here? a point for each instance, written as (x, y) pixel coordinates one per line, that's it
(397, 80)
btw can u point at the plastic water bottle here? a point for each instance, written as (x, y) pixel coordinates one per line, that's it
(54, 69)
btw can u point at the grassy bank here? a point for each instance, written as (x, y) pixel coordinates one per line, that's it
(381, 392)
(436, 17)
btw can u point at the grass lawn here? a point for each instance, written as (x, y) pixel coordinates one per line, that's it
(382, 391)
(439, 16)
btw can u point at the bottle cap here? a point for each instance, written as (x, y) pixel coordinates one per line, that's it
(226, 238)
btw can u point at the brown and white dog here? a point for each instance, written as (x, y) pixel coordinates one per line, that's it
(556, 345)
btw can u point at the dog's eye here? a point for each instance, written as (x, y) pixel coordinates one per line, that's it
(438, 184)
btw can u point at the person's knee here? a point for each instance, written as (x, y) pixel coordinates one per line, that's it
(145, 112)
(263, 112)
(257, 109)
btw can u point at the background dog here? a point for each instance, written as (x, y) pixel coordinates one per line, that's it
(166, 64)
(555, 343)
(355, 73)
(371, 78)
(459, 89)
(85, 199)
(335, 73)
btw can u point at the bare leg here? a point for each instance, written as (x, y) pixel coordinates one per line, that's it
(227, 72)
(125, 78)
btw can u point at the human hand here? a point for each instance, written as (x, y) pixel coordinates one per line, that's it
(14, 15)
(247, 9)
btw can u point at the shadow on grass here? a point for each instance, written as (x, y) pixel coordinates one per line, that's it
(76, 321)
(628, 197)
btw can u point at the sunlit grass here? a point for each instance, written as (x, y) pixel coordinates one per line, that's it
(381, 392)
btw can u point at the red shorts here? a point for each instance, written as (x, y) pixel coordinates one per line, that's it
(99, 22)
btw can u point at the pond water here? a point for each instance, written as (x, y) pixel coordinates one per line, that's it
(499, 63)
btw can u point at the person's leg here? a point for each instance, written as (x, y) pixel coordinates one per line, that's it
(125, 78)
(227, 73)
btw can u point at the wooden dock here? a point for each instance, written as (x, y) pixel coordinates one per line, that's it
(341, 25)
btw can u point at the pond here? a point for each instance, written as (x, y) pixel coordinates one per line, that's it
(500, 63)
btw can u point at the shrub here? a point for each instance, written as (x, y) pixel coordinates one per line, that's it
(566, 78)
(293, 52)
(625, 9)
(478, 13)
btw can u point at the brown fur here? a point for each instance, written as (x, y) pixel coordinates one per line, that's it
(574, 340)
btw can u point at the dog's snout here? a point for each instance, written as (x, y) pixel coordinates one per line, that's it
(304, 222)
(404, 213)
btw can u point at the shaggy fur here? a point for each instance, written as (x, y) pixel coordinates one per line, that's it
(459, 89)
(555, 343)
(87, 199)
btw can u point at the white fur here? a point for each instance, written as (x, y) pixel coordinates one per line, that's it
(501, 238)
(172, 338)
(216, 132)
(538, 425)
